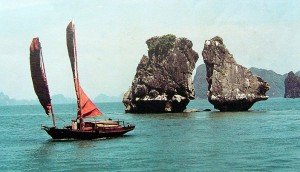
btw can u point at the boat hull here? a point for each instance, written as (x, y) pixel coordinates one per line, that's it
(67, 133)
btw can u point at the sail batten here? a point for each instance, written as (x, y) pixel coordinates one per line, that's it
(38, 75)
(86, 108)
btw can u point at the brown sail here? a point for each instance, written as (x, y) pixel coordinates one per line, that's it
(86, 108)
(38, 75)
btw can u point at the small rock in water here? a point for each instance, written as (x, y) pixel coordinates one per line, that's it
(163, 80)
(231, 87)
(191, 110)
(292, 86)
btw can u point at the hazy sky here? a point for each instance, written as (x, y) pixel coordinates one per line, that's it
(111, 38)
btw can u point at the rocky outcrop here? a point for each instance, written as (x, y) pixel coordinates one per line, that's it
(163, 80)
(275, 80)
(292, 86)
(231, 87)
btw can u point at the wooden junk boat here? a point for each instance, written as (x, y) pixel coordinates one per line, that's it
(79, 129)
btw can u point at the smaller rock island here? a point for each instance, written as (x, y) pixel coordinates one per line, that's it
(163, 80)
(292, 86)
(231, 87)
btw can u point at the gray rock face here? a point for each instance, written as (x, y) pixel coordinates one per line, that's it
(275, 80)
(231, 87)
(292, 86)
(163, 80)
(200, 82)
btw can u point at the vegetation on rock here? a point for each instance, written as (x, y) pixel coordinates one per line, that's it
(160, 45)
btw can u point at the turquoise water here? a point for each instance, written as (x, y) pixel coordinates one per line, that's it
(267, 138)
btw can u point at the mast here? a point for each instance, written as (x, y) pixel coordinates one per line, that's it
(86, 108)
(79, 112)
(51, 108)
(79, 90)
(76, 70)
(53, 119)
(71, 44)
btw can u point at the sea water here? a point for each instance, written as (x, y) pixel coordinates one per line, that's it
(266, 138)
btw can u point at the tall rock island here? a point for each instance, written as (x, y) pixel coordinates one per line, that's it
(292, 86)
(231, 87)
(163, 79)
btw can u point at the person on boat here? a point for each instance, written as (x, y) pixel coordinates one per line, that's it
(74, 125)
(82, 125)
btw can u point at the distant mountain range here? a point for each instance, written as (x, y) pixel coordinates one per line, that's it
(105, 98)
(61, 99)
(200, 82)
(275, 80)
(6, 100)
(56, 99)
